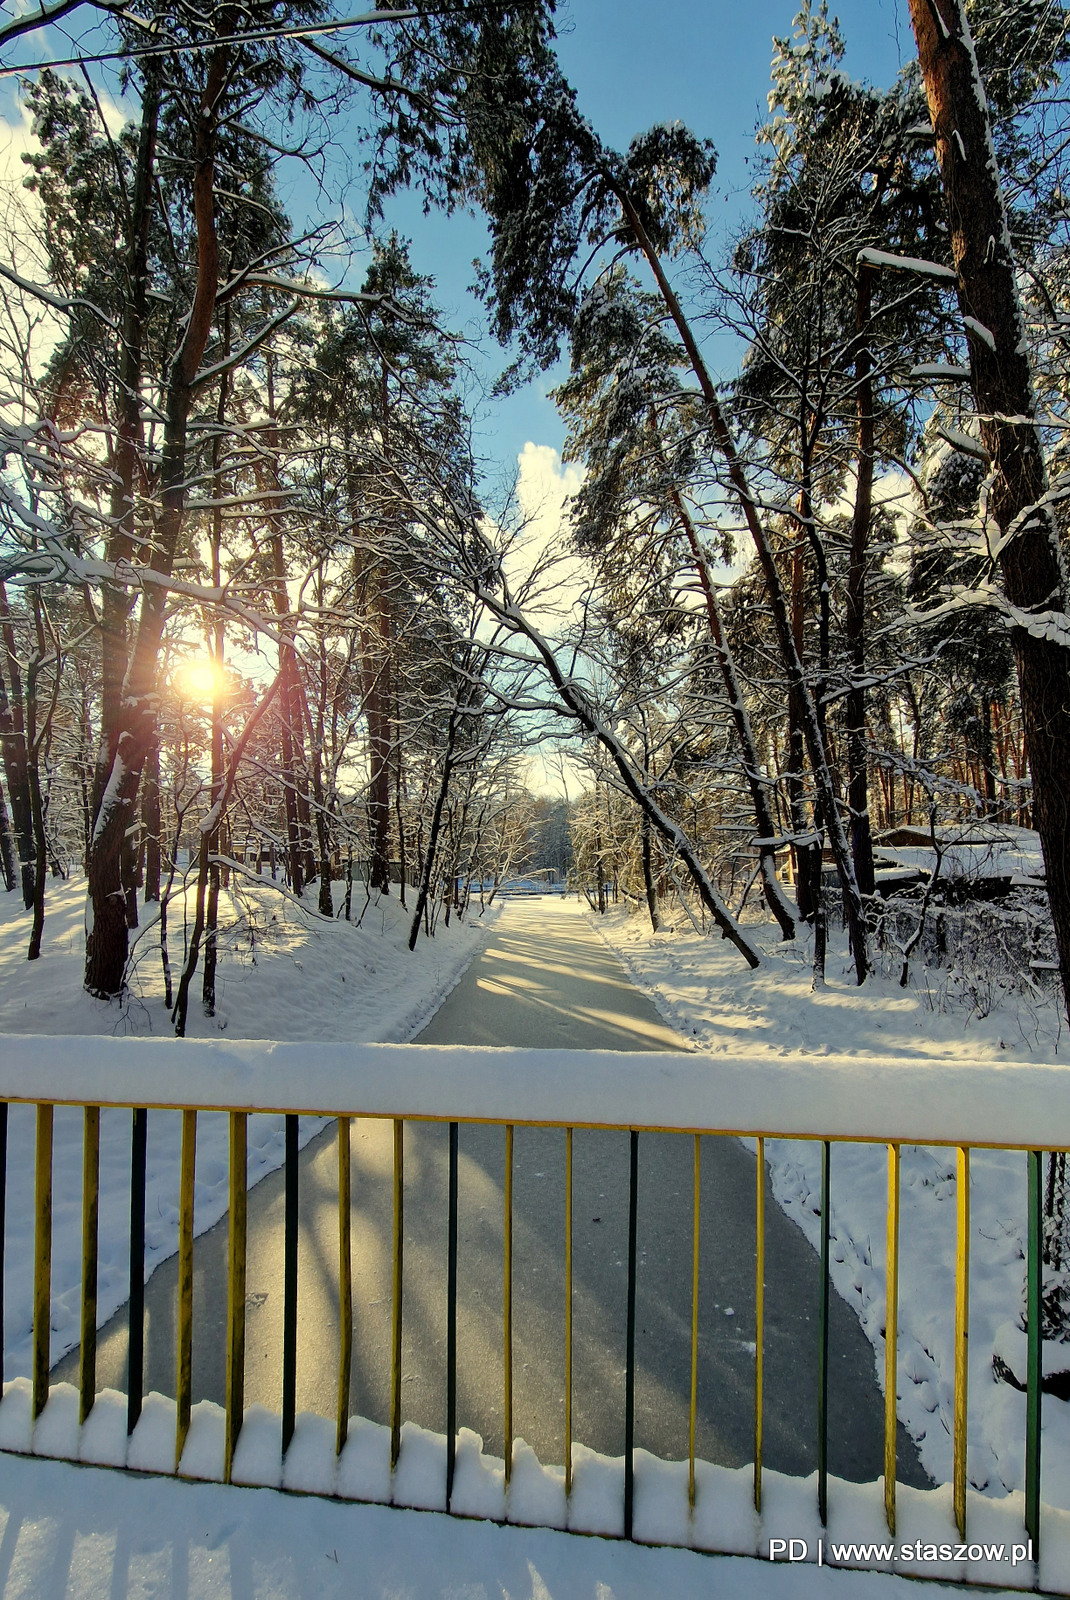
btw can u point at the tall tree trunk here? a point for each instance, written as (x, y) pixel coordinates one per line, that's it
(855, 621)
(295, 853)
(208, 829)
(377, 697)
(805, 841)
(152, 821)
(107, 934)
(1031, 564)
(116, 600)
(13, 742)
(218, 646)
(38, 742)
(9, 859)
(399, 787)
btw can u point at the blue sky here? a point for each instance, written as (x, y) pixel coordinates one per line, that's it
(634, 63)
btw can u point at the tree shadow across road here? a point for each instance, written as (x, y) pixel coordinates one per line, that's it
(725, 1409)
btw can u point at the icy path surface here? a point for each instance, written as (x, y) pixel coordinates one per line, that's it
(542, 978)
(81, 1533)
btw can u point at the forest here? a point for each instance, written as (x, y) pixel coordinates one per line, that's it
(799, 644)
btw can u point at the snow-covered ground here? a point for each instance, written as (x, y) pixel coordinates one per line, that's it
(284, 973)
(701, 986)
(79, 1533)
(287, 974)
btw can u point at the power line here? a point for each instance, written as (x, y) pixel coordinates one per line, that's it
(163, 49)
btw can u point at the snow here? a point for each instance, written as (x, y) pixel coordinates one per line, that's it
(923, 1044)
(284, 974)
(722, 1520)
(975, 851)
(881, 1062)
(76, 1533)
(985, 335)
(927, 269)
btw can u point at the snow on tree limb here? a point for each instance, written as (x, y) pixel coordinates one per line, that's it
(926, 269)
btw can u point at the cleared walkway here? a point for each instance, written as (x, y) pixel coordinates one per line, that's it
(543, 979)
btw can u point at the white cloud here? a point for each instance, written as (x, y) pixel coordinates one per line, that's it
(540, 565)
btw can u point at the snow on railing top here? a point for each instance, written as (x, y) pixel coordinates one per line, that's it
(1016, 1104)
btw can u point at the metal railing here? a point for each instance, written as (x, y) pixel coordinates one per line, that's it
(823, 1099)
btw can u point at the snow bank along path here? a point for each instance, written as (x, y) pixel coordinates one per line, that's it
(1002, 1104)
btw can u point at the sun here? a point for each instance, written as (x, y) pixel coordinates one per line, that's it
(201, 679)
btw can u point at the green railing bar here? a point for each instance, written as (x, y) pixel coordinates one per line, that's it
(87, 1354)
(568, 1312)
(891, 1338)
(235, 1384)
(507, 1304)
(396, 1310)
(289, 1287)
(184, 1342)
(451, 1316)
(345, 1281)
(759, 1322)
(1034, 1313)
(962, 1334)
(629, 1366)
(135, 1381)
(823, 1346)
(693, 1408)
(3, 1227)
(42, 1260)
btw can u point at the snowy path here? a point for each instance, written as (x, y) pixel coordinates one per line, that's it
(541, 979)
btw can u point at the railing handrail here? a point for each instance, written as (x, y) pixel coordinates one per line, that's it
(1004, 1105)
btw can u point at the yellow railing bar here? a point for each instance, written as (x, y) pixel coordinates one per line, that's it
(568, 1311)
(962, 1335)
(891, 1336)
(87, 1356)
(694, 1325)
(507, 1295)
(42, 1260)
(396, 1308)
(759, 1322)
(235, 1390)
(345, 1282)
(184, 1374)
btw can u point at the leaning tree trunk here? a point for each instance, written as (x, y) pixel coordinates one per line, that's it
(574, 697)
(775, 897)
(423, 893)
(1033, 573)
(797, 684)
